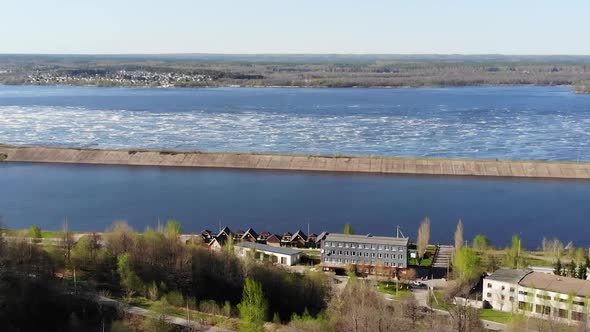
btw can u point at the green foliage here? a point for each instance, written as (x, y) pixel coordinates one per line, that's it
(481, 242)
(348, 229)
(227, 309)
(129, 279)
(35, 233)
(253, 308)
(173, 229)
(558, 268)
(466, 265)
(515, 257)
(175, 298)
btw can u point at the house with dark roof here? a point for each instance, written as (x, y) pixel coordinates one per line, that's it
(311, 238)
(238, 235)
(320, 238)
(225, 231)
(218, 242)
(263, 236)
(273, 240)
(250, 235)
(299, 239)
(286, 238)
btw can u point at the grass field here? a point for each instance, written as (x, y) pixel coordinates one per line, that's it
(496, 316)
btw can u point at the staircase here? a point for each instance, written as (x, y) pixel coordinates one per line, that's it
(443, 256)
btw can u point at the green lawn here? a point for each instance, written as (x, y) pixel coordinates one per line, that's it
(390, 288)
(26, 232)
(496, 316)
(426, 262)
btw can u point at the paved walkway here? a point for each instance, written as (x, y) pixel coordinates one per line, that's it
(134, 310)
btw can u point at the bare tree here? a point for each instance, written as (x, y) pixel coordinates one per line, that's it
(465, 318)
(423, 237)
(67, 241)
(459, 240)
(120, 238)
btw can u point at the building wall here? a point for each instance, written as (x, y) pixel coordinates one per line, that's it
(274, 257)
(533, 302)
(336, 253)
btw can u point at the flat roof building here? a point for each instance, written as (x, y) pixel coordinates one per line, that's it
(273, 254)
(538, 294)
(365, 252)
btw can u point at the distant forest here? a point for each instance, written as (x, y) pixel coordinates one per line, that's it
(211, 70)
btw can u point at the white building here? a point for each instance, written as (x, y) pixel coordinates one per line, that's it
(538, 294)
(263, 252)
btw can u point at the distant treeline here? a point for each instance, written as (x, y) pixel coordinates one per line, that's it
(313, 70)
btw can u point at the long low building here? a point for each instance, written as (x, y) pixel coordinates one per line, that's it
(538, 294)
(366, 252)
(263, 252)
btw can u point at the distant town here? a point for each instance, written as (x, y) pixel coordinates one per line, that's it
(336, 71)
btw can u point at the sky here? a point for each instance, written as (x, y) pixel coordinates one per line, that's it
(295, 26)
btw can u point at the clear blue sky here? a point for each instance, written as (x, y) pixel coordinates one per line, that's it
(295, 26)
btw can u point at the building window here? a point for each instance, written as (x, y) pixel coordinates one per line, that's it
(502, 297)
(360, 246)
(524, 306)
(503, 287)
(512, 299)
(489, 295)
(489, 285)
(579, 316)
(511, 289)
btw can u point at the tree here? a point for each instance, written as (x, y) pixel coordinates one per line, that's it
(129, 279)
(466, 265)
(481, 242)
(423, 237)
(515, 257)
(459, 236)
(36, 234)
(120, 238)
(173, 229)
(67, 241)
(253, 307)
(348, 229)
(558, 269)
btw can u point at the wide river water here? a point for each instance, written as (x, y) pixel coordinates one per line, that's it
(549, 123)
(487, 122)
(92, 197)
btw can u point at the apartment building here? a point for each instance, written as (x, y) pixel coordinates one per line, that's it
(366, 252)
(537, 294)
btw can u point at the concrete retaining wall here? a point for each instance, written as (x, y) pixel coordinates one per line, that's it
(385, 165)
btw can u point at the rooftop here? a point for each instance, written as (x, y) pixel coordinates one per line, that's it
(558, 284)
(398, 241)
(267, 248)
(507, 275)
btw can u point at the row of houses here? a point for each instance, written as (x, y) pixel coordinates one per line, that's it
(297, 240)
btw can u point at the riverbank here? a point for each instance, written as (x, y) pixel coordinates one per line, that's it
(334, 163)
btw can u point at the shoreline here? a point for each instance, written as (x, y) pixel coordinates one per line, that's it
(312, 163)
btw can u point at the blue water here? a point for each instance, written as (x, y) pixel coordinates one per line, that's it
(541, 123)
(92, 197)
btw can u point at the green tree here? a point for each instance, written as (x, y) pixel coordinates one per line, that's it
(466, 265)
(253, 307)
(558, 269)
(481, 243)
(36, 234)
(129, 279)
(515, 255)
(348, 229)
(173, 229)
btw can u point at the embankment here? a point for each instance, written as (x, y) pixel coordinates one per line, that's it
(384, 165)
